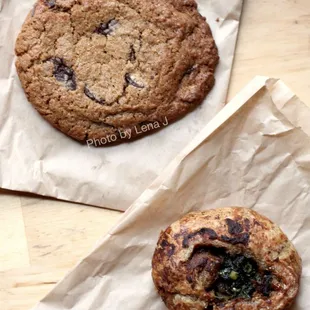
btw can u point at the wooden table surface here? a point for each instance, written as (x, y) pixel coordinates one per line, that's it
(41, 239)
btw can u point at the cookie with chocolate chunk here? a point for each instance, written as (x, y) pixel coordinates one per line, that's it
(103, 68)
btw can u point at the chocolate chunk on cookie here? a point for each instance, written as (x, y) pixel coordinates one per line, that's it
(97, 67)
(130, 81)
(50, 3)
(63, 73)
(132, 54)
(106, 28)
(92, 96)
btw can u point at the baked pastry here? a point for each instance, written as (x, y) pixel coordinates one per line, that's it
(115, 69)
(225, 259)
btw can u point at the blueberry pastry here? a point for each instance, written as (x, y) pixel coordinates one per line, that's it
(226, 259)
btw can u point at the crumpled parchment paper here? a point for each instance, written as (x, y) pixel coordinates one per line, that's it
(34, 157)
(254, 153)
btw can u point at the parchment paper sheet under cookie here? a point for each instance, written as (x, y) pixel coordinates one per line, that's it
(34, 157)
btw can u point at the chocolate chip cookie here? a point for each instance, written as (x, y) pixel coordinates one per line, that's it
(97, 69)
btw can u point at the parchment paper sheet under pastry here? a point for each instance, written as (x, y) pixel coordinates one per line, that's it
(254, 153)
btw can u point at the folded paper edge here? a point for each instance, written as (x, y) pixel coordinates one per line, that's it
(282, 96)
(224, 115)
(240, 100)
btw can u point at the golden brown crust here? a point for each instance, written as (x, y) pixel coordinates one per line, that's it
(184, 280)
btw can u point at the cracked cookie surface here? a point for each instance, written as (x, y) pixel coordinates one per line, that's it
(93, 68)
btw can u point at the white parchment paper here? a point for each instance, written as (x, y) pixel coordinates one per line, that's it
(254, 153)
(34, 157)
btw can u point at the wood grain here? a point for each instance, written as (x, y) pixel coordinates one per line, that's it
(274, 41)
(41, 239)
(13, 239)
(21, 288)
(75, 227)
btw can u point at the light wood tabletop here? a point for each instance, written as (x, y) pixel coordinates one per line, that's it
(41, 239)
